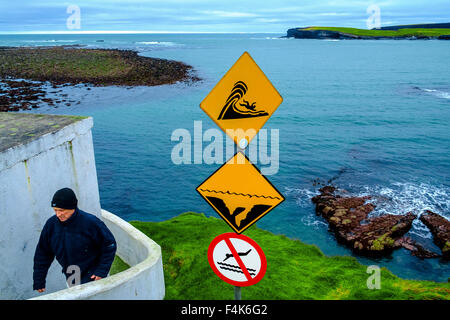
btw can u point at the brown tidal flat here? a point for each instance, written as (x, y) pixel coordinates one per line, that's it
(70, 65)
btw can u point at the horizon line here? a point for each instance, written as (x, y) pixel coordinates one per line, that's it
(131, 32)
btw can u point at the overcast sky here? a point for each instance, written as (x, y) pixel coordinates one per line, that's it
(211, 15)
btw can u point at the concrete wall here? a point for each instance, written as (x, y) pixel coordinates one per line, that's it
(29, 175)
(144, 280)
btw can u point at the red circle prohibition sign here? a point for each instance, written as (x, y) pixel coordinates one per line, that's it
(237, 259)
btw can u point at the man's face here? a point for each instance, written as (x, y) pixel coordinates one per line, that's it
(63, 214)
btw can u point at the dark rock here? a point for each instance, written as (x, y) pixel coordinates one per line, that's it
(440, 229)
(444, 37)
(349, 218)
(415, 248)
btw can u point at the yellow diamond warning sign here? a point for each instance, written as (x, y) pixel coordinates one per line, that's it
(242, 101)
(239, 193)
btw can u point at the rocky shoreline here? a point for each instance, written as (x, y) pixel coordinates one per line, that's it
(378, 236)
(28, 74)
(440, 229)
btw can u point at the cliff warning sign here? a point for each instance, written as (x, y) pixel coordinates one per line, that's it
(242, 101)
(239, 193)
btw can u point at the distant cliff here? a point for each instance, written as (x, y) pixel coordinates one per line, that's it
(423, 26)
(412, 32)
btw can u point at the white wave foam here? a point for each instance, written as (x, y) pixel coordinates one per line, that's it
(437, 93)
(303, 199)
(303, 196)
(397, 198)
(46, 41)
(271, 38)
(400, 198)
(157, 43)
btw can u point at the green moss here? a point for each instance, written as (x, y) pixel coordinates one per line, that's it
(78, 117)
(382, 242)
(295, 270)
(446, 247)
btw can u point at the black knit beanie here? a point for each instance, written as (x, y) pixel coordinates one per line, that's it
(65, 199)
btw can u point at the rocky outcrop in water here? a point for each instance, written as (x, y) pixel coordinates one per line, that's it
(349, 218)
(440, 229)
(59, 66)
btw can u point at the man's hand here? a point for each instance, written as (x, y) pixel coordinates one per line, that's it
(41, 290)
(95, 277)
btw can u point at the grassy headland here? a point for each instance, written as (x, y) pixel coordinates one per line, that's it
(413, 32)
(294, 270)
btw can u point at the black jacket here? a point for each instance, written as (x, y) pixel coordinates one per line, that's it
(82, 240)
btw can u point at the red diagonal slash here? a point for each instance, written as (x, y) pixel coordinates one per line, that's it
(238, 259)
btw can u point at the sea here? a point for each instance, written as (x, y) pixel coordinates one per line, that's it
(370, 117)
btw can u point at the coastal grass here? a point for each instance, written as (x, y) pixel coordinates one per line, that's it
(406, 32)
(295, 270)
(118, 265)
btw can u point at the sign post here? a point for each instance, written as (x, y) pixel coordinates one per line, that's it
(240, 104)
(237, 293)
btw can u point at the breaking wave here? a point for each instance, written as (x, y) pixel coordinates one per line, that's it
(157, 43)
(49, 41)
(396, 198)
(403, 197)
(435, 92)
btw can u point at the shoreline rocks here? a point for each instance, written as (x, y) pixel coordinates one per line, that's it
(440, 229)
(25, 72)
(377, 236)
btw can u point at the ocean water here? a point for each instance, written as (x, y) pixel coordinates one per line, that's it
(371, 117)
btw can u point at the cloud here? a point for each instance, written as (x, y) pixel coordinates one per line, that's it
(214, 15)
(228, 14)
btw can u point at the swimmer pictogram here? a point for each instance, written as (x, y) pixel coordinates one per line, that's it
(246, 263)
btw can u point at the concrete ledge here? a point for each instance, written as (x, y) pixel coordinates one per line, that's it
(143, 280)
(45, 141)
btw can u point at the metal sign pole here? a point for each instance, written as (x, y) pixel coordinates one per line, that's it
(237, 293)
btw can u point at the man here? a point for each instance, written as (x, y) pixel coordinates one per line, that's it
(79, 241)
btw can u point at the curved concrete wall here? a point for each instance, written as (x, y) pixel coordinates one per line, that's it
(30, 173)
(143, 280)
